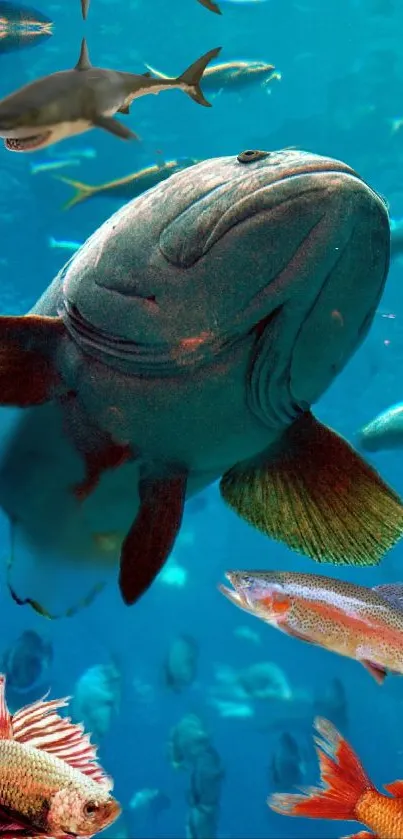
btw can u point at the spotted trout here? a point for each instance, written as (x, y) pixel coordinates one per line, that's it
(355, 621)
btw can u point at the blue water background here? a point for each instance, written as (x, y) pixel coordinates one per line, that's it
(341, 88)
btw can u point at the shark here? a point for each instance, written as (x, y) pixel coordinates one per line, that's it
(72, 102)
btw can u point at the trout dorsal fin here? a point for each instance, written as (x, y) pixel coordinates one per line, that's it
(83, 62)
(6, 728)
(42, 728)
(392, 593)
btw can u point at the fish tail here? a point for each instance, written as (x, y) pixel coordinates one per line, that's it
(81, 192)
(343, 777)
(192, 77)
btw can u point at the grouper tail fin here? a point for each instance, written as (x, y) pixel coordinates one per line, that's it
(81, 192)
(191, 78)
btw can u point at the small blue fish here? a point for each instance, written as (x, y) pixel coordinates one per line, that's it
(21, 27)
(64, 244)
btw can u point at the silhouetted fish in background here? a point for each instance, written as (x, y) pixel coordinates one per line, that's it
(21, 27)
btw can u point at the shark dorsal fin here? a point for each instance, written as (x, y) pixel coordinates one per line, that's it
(83, 62)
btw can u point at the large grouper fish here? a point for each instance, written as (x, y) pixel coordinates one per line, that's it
(184, 342)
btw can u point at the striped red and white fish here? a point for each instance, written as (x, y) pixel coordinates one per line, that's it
(362, 623)
(51, 783)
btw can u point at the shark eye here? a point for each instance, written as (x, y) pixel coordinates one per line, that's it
(251, 155)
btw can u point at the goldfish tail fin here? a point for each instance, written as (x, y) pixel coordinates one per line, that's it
(193, 76)
(343, 777)
(81, 191)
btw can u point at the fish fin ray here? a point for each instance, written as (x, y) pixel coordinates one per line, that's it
(319, 497)
(343, 777)
(27, 375)
(392, 593)
(40, 726)
(395, 788)
(150, 539)
(377, 672)
(194, 74)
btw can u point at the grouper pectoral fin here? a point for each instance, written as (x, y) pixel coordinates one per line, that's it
(115, 127)
(316, 494)
(27, 347)
(151, 537)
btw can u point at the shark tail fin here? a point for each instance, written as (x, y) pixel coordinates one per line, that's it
(81, 192)
(192, 77)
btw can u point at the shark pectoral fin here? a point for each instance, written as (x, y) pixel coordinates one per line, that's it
(316, 494)
(115, 127)
(125, 109)
(27, 345)
(150, 539)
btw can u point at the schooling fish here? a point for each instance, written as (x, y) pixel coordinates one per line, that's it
(74, 101)
(22, 26)
(358, 622)
(347, 793)
(51, 783)
(128, 187)
(231, 75)
(185, 342)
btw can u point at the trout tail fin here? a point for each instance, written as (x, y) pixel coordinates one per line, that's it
(192, 77)
(343, 777)
(81, 191)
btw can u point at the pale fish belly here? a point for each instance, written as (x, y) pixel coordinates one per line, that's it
(360, 639)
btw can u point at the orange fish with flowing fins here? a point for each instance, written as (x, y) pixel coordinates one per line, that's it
(362, 623)
(347, 793)
(51, 783)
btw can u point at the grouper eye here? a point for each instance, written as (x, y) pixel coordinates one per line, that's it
(251, 155)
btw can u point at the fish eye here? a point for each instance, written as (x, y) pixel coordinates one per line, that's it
(90, 808)
(252, 154)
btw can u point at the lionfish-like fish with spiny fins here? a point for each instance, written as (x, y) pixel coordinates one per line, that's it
(185, 342)
(362, 623)
(51, 783)
(347, 793)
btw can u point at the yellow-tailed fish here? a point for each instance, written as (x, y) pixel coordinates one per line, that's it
(51, 783)
(355, 621)
(128, 187)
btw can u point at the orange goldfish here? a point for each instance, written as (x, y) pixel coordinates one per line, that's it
(355, 621)
(51, 783)
(347, 793)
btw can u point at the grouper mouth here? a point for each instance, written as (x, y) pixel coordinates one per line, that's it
(150, 358)
(268, 257)
(26, 143)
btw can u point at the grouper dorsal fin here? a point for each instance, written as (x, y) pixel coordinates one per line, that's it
(151, 537)
(83, 62)
(27, 349)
